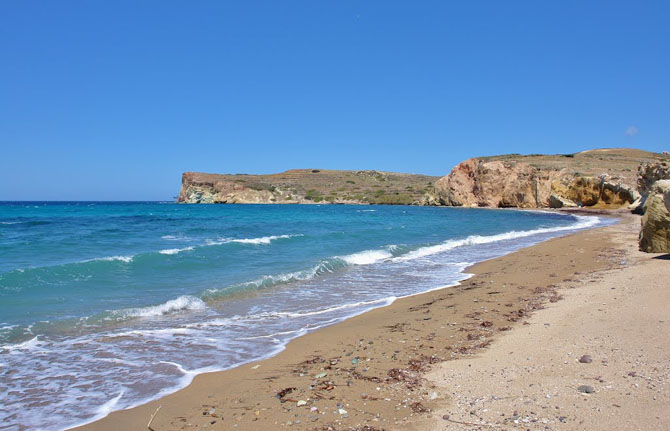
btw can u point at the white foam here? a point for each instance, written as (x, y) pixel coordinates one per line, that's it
(582, 223)
(269, 280)
(366, 257)
(264, 240)
(108, 407)
(381, 302)
(185, 302)
(158, 333)
(126, 259)
(10, 222)
(178, 366)
(298, 333)
(175, 250)
(26, 345)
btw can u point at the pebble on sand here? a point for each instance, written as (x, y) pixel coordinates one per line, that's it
(586, 359)
(586, 389)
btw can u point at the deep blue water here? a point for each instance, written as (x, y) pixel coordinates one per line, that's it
(94, 295)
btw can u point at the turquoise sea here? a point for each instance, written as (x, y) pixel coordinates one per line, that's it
(107, 305)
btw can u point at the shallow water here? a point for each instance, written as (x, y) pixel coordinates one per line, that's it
(106, 305)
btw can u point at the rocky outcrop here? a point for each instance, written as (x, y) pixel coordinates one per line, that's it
(648, 174)
(480, 183)
(475, 183)
(655, 232)
(199, 188)
(598, 192)
(558, 201)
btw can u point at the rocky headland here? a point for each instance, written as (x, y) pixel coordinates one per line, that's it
(305, 186)
(599, 179)
(605, 178)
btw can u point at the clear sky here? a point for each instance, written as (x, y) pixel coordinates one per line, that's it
(114, 100)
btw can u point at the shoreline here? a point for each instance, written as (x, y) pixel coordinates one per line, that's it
(303, 352)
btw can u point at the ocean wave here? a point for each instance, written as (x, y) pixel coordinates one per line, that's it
(583, 222)
(182, 303)
(175, 237)
(27, 222)
(126, 259)
(264, 240)
(275, 315)
(323, 267)
(329, 265)
(158, 333)
(366, 257)
(175, 250)
(25, 345)
(169, 251)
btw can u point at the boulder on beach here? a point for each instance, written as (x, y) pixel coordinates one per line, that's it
(655, 233)
(649, 173)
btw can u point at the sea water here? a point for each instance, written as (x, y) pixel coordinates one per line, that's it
(104, 306)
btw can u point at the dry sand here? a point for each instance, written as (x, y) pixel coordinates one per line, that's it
(466, 357)
(610, 335)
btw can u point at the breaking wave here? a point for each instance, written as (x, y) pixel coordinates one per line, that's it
(264, 240)
(182, 303)
(126, 259)
(176, 250)
(582, 223)
(366, 257)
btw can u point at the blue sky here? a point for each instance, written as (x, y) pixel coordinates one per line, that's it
(114, 100)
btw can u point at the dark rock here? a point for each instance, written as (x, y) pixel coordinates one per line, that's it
(586, 359)
(586, 389)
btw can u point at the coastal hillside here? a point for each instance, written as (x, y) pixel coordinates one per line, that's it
(307, 186)
(601, 178)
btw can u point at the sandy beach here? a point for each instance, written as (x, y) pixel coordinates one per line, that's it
(500, 351)
(334, 216)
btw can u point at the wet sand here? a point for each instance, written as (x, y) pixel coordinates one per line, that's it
(405, 366)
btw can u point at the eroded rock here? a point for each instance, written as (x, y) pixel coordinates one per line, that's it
(501, 184)
(655, 232)
(649, 173)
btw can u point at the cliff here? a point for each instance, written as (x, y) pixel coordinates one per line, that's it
(604, 178)
(307, 186)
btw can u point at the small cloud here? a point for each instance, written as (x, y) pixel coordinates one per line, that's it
(632, 131)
